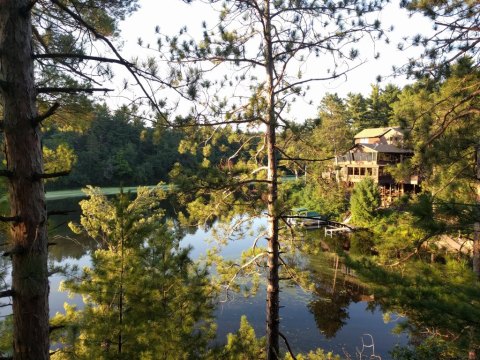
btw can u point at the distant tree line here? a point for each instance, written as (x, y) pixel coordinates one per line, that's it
(118, 148)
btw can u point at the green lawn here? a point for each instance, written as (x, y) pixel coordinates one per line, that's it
(66, 194)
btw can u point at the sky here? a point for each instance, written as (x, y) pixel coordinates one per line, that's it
(171, 15)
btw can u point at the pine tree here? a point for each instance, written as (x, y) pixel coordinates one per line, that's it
(456, 40)
(55, 30)
(45, 46)
(443, 124)
(364, 202)
(265, 43)
(144, 297)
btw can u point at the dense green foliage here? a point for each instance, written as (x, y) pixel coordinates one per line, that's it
(438, 302)
(412, 267)
(6, 336)
(412, 273)
(410, 229)
(326, 197)
(433, 347)
(145, 298)
(132, 291)
(125, 151)
(116, 149)
(364, 202)
(244, 344)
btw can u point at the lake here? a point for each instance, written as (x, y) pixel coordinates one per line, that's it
(335, 316)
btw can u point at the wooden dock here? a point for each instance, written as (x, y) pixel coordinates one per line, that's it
(306, 219)
(329, 230)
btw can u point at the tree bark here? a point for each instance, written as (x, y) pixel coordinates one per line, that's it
(273, 286)
(23, 155)
(476, 225)
(476, 248)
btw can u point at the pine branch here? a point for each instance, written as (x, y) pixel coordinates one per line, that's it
(301, 82)
(216, 59)
(15, 251)
(10, 219)
(306, 159)
(27, 8)
(6, 293)
(59, 212)
(50, 90)
(40, 38)
(37, 176)
(55, 327)
(4, 85)
(81, 57)
(288, 157)
(54, 272)
(241, 267)
(324, 222)
(36, 121)
(288, 345)
(98, 35)
(6, 173)
(233, 185)
(72, 69)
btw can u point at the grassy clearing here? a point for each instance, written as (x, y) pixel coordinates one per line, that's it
(78, 193)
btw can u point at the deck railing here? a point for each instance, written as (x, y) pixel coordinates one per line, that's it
(357, 157)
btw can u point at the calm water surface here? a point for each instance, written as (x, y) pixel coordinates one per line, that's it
(334, 317)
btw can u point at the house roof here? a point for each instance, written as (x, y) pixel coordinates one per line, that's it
(376, 132)
(386, 148)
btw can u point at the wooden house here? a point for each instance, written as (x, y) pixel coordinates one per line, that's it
(392, 135)
(374, 151)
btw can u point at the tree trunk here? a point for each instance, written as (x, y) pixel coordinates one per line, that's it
(476, 225)
(273, 287)
(476, 248)
(122, 271)
(23, 155)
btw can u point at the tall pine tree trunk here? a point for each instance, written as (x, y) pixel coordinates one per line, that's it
(273, 286)
(476, 225)
(27, 199)
(476, 247)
